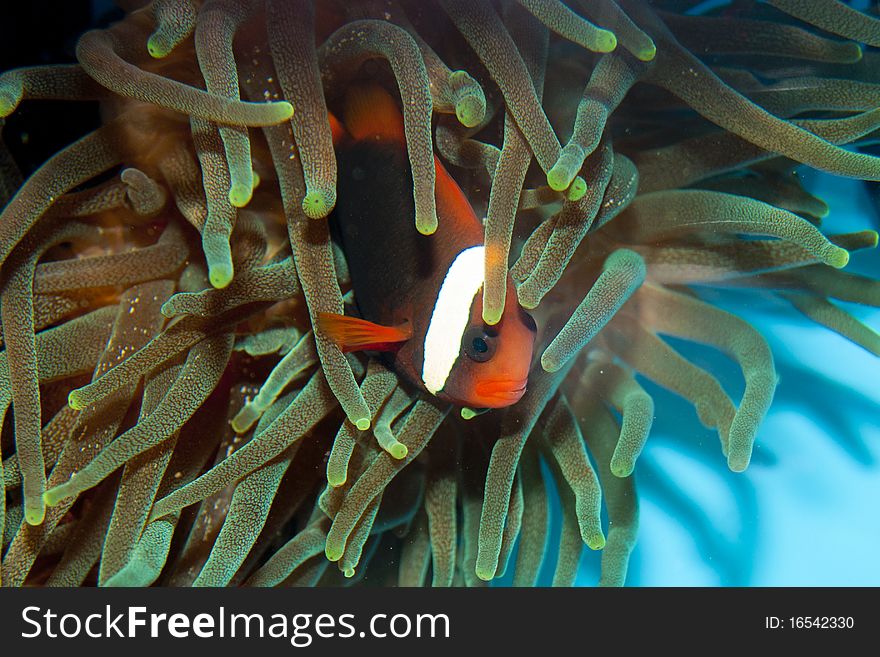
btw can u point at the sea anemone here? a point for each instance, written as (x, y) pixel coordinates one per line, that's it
(171, 417)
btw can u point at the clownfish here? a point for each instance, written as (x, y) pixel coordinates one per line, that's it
(420, 297)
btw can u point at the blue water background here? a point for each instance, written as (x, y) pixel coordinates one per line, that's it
(806, 510)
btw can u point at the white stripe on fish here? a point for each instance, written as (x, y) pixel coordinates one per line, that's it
(451, 316)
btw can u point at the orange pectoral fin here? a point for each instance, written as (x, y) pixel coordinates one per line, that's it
(354, 334)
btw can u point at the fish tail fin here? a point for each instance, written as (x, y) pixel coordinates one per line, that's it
(370, 111)
(354, 334)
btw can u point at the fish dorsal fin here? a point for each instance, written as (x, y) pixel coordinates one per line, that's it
(354, 334)
(371, 112)
(451, 201)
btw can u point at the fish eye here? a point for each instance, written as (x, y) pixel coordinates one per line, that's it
(479, 344)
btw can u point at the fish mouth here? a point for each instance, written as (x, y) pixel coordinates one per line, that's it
(496, 393)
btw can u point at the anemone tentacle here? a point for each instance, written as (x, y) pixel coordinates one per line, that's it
(171, 412)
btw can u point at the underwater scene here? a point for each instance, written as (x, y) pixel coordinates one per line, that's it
(440, 293)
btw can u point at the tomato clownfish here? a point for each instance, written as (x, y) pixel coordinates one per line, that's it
(420, 297)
